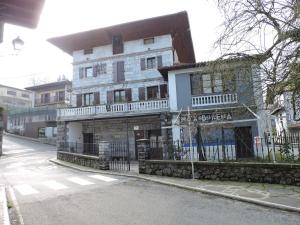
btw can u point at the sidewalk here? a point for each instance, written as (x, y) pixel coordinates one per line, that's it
(282, 197)
(4, 219)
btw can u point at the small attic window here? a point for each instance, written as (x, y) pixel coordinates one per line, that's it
(88, 51)
(148, 41)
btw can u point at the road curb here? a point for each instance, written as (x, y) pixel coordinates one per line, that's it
(27, 138)
(204, 191)
(4, 216)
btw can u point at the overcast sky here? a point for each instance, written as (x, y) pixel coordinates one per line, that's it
(42, 61)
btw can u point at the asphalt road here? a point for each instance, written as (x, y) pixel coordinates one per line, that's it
(52, 195)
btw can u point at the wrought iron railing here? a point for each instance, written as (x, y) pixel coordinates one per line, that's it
(276, 149)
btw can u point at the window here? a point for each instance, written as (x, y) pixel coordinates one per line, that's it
(151, 63)
(119, 96)
(88, 99)
(148, 41)
(118, 71)
(196, 84)
(211, 83)
(45, 98)
(207, 85)
(61, 96)
(117, 43)
(89, 71)
(102, 68)
(24, 95)
(12, 93)
(152, 92)
(88, 51)
(229, 81)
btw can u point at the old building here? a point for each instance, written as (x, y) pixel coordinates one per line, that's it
(286, 114)
(13, 99)
(39, 121)
(117, 92)
(221, 100)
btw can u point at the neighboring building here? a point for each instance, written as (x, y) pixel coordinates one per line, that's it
(224, 98)
(12, 99)
(117, 92)
(287, 117)
(40, 120)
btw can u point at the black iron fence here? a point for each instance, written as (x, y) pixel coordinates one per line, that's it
(80, 148)
(119, 156)
(276, 149)
(118, 153)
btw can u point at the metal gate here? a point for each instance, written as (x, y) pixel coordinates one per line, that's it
(119, 156)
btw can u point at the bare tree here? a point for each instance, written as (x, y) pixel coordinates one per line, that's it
(270, 28)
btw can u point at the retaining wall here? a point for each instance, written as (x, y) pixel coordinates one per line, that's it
(235, 171)
(82, 160)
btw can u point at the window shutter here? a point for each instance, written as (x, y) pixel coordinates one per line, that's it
(95, 70)
(96, 98)
(110, 97)
(56, 97)
(143, 64)
(163, 90)
(115, 77)
(141, 93)
(128, 95)
(120, 71)
(79, 100)
(81, 72)
(159, 61)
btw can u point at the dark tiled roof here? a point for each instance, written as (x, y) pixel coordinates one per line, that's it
(175, 24)
(21, 12)
(49, 85)
(254, 58)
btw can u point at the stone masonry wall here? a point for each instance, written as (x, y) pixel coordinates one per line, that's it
(246, 172)
(82, 160)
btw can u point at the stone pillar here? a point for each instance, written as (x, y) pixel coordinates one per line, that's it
(104, 155)
(61, 138)
(143, 146)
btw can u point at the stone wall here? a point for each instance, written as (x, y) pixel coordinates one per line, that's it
(245, 172)
(82, 160)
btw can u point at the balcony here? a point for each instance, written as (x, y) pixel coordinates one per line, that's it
(217, 99)
(48, 101)
(113, 110)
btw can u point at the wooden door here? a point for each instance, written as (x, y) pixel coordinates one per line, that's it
(243, 142)
(88, 142)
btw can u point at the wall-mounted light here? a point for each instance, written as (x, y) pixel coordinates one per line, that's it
(18, 43)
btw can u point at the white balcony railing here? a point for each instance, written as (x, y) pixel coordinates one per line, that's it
(145, 106)
(218, 99)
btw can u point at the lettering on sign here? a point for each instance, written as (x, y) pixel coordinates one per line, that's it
(205, 118)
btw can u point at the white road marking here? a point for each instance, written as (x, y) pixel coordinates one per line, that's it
(25, 189)
(13, 165)
(55, 185)
(80, 181)
(103, 178)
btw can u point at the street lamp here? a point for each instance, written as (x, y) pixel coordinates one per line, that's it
(18, 43)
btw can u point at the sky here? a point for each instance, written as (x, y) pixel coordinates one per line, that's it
(39, 61)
